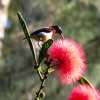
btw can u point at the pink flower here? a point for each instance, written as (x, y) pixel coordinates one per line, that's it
(68, 58)
(84, 92)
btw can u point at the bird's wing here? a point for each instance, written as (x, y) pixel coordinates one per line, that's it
(37, 32)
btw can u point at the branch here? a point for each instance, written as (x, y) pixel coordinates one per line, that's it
(42, 84)
(26, 32)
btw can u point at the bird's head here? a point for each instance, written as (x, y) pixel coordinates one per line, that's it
(56, 30)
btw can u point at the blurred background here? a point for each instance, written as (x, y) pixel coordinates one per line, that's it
(79, 19)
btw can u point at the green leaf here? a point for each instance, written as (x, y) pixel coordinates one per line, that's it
(50, 70)
(41, 69)
(44, 49)
(83, 80)
(26, 32)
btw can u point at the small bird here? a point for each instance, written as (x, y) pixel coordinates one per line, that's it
(46, 33)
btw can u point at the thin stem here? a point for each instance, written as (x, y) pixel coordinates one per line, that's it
(35, 58)
(40, 75)
(42, 83)
(26, 32)
(38, 72)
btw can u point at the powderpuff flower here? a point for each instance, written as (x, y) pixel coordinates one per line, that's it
(68, 58)
(84, 92)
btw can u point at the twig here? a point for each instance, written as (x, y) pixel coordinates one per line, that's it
(42, 83)
(40, 75)
(26, 32)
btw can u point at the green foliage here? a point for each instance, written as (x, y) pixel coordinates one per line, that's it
(83, 80)
(78, 21)
(44, 49)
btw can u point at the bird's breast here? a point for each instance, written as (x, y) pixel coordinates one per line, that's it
(48, 36)
(42, 36)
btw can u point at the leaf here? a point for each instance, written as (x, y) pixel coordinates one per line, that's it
(44, 49)
(83, 80)
(50, 70)
(26, 32)
(41, 69)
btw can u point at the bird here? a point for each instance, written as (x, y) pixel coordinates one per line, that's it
(46, 33)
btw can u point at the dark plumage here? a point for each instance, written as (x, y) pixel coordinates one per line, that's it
(46, 33)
